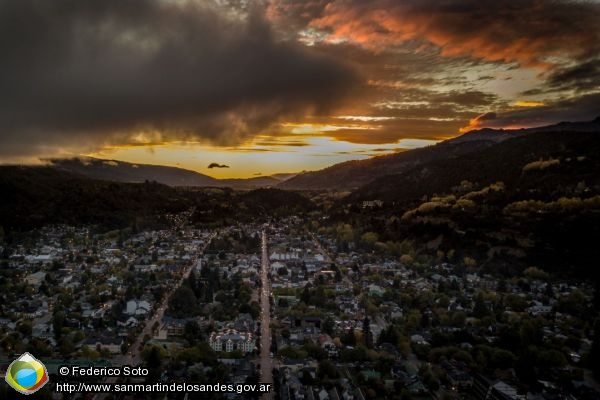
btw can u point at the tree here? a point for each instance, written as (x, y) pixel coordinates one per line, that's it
(305, 295)
(24, 327)
(530, 333)
(328, 326)
(501, 287)
(369, 239)
(469, 262)
(192, 332)
(283, 303)
(367, 334)
(480, 310)
(535, 273)
(389, 335)
(406, 259)
(348, 338)
(503, 359)
(66, 347)
(326, 369)
(58, 322)
(594, 356)
(182, 302)
(153, 356)
(552, 359)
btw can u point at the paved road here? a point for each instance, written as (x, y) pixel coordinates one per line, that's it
(266, 362)
(133, 356)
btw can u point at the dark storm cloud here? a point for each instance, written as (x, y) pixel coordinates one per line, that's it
(584, 77)
(82, 74)
(217, 165)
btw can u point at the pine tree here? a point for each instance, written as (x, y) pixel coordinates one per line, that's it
(367, 334)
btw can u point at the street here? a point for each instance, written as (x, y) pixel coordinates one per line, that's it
(266, 361)
(133, 356)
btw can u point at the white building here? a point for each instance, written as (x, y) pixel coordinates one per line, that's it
(230, 339)
(135, 307)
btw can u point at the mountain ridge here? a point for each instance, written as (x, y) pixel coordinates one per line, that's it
(122, 171)
(352, 175)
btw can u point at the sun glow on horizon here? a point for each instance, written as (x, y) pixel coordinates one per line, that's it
(264, 155)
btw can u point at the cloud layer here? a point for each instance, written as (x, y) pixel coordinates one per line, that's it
(582, 108)
(530, 32)
(433, 65)
(84, 74)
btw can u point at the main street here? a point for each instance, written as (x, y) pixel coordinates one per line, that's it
(266, 361)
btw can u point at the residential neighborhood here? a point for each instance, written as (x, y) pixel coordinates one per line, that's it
(343, 325)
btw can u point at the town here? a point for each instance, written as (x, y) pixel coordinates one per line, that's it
(277, 303)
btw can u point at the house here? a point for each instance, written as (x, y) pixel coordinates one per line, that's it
(130, 322)
(539, 309)
(245, 323)
(484, 389)
(112, 344)
(418, 339)
(276, 266)
(323, 395)
(137, 307)
(35, 279)
(230, 339)
(460, 379)
(375, 290)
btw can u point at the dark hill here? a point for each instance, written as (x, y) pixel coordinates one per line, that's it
(275, 202)
(119, 171)
(504, 162)
(530, 200)
(354, 174)
(34, 196)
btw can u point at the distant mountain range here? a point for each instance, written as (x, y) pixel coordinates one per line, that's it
(354, 174)
(120, 171)
(467, 153)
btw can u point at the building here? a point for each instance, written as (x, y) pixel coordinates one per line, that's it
(35, 279)
(230, 339)
(112, 344)
(135, 307)
(484, 389)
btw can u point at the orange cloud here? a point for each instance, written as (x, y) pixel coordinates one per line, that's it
(477, 122)
(529, 32)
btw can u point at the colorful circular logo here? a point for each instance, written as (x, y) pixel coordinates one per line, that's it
(26, 374)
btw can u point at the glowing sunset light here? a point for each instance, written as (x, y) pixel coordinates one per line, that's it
(308, 83)
(527, 103)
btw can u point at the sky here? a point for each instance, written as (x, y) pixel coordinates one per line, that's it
(267, 86)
